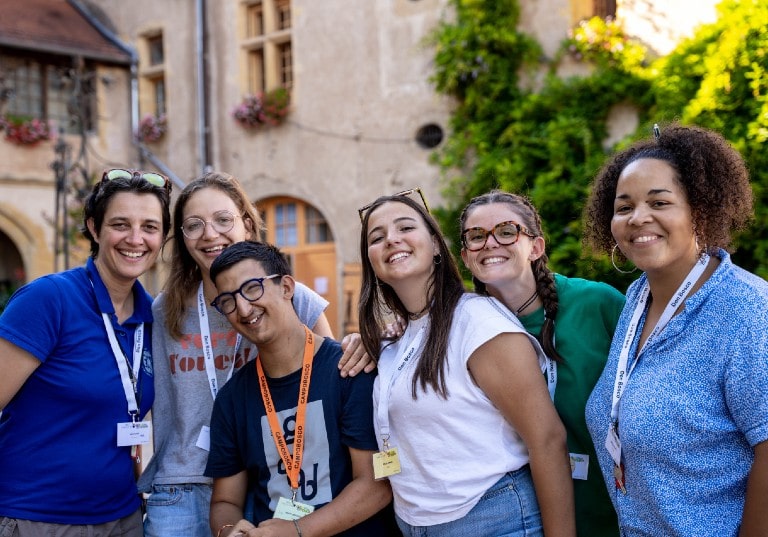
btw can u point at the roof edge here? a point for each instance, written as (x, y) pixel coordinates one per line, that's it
(63, 51)
(104, 31)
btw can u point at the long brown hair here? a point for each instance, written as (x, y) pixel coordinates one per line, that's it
(185, 275)
(444, 290)
(545, 279)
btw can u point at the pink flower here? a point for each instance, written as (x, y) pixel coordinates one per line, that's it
(152, 128)
(262, 109)
(25, 131)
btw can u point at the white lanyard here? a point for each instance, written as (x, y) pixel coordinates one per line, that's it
(622, 373)
(205, 333)
(129, 382)
(385, 384)
(550, 364)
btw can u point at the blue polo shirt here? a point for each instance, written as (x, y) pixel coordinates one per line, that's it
(59, 459)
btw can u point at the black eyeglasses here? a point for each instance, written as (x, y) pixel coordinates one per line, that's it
(152, 178)
(506, 233)
(405, 193)
(251, 290)
(193, 227)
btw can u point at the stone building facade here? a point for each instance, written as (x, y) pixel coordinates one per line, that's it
(362, 120)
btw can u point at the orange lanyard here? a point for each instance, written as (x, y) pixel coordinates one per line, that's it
(292, 463)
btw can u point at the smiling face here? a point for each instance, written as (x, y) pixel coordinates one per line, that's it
(264, 320)
(205, 204)
(400, 246)
(652, 221)
(497, 265)
(130, 237)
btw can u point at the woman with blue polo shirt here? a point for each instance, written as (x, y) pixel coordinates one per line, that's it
(76, 373)
(680, 413)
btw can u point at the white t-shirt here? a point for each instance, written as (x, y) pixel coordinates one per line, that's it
(451, 451)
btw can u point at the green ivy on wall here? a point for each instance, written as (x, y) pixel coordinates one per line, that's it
(537, 134)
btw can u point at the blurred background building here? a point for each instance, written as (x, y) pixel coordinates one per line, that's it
(87, 85)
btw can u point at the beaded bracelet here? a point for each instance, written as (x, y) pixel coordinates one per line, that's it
(298, 529)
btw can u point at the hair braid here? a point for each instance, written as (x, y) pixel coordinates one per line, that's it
(545, 287)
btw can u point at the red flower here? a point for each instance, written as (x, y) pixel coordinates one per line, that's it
(24, 131)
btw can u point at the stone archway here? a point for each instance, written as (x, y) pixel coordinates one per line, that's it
(25, 241)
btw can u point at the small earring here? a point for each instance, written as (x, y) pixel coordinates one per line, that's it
(437, 259)
(613, 262)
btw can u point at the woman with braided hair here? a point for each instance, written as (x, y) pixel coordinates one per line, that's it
(574, 319)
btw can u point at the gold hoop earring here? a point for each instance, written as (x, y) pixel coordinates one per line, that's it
(613, 262)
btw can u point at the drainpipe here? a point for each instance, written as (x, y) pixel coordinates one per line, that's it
(144, 152)
(201, 48)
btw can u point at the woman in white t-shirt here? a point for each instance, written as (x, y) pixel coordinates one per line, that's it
(469, 438)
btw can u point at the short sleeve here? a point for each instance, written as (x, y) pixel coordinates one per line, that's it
(479, 319)
(746, 389)
(224, 459)
(32, 318)
(357, 413)
(308, 304)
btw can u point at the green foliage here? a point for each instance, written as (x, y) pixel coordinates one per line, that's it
(604, 43)
(719, 80)
(548, 142)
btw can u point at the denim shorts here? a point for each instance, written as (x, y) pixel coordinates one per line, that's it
(129, 526)
(507, 509)
(178, 510)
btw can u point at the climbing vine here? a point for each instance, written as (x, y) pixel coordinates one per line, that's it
(519, 127)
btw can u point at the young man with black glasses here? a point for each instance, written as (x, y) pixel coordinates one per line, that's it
(288, 432)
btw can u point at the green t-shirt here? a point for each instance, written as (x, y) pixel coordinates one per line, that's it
(586, 319)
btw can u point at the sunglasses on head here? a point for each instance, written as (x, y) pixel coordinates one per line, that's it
(404, 194)
(152, 178)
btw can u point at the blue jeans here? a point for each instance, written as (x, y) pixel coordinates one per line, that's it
(178, 510)
(507, 509)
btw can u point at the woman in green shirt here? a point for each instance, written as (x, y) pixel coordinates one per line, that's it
(503, 246)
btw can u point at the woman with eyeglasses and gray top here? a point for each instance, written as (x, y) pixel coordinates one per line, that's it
(76, 373)
(196, 351)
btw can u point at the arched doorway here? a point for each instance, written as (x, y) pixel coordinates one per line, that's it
(302, 232)
(12, 273)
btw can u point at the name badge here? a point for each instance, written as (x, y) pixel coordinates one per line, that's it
(291, 510)
(133, 433)
(386, 463)
(204, 438)
(579, 465)
(613, 445)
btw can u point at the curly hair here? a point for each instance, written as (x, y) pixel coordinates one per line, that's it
(545, 278)
(712, 174)
(185, 276)
(444, 291)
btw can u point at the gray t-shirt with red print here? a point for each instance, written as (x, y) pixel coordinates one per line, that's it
(183, 400)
